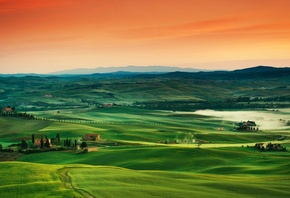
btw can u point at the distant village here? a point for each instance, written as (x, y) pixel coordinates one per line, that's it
(9, 111)
(246, 126)
(44, 144)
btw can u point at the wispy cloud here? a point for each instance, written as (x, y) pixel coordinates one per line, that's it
(180, 30)
(54, 39)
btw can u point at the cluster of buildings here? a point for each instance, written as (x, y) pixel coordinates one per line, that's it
(269, 147)
(7, 111)
(247, 126)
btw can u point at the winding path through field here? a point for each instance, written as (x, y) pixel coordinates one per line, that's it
(67, 183)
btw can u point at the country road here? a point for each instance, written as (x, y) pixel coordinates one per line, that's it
(67, 183)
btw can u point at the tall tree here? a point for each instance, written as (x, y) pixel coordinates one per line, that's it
(69, 142)
(66, 142)
(41, 142)
(32, 139)
(46, 144)
(57, 137)
(23, 144)
(83, 145)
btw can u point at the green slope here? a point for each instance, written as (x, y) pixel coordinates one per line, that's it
(116, 182)
(39, 180)
(215, 160)
(31, 180)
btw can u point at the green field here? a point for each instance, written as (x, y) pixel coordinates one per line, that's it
(139, 163)
(40, 180)
(157, 138)
(31, 180)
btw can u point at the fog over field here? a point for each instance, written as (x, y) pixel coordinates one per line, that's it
(265, 119)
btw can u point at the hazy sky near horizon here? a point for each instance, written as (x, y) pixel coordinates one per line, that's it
(42, 36)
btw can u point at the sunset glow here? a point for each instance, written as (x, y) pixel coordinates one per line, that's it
(43, 36)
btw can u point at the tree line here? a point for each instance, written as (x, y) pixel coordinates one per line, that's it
(44, 144)
(231, 103)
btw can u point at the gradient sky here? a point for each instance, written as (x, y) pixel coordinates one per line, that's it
(42, 36)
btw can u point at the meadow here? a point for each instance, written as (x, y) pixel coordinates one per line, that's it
(141, 164)
(155, 142)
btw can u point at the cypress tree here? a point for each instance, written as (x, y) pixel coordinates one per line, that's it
(57, 137)
(46, 144)
(23, 144)
(83, 145)
(66, 142)
(41, 142)
(69, 143)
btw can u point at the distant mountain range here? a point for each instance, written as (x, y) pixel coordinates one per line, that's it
(135, 69)
(165, 71)
(247, 73)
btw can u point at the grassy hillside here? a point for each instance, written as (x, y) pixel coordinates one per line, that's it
(123, 123)
(136, 162)
(131, 124)
(112, 182)
(173, 91)
(175, 172)
(205, 160)
(31, 180)
(40, 180)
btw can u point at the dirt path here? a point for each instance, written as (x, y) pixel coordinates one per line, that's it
(90, 149)
(67, 183)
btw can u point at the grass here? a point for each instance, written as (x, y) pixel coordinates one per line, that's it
(212, 174)
(142, 166)
(133, 125)
(112, 182)
(235, 160)
(41, 180)
(19, 179)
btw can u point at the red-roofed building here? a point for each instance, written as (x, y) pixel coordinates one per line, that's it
(37, 142)
(8, 110)
(92, 137)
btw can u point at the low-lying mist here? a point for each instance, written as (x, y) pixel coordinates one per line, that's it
(264, 119)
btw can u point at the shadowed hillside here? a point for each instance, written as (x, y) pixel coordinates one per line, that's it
(258, 87)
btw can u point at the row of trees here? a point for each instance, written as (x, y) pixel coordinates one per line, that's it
(240, 103)
(47, 143)
(14, 113)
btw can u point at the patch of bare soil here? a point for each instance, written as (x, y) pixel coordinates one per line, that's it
(9, 156)
(90, 149)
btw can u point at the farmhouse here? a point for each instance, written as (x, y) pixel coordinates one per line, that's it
(37, 142)
(247, 126)
(8, 111)
(269, 147)
(108, 105)
(92, 137)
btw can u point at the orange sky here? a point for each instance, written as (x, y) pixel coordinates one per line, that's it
(43, 36)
